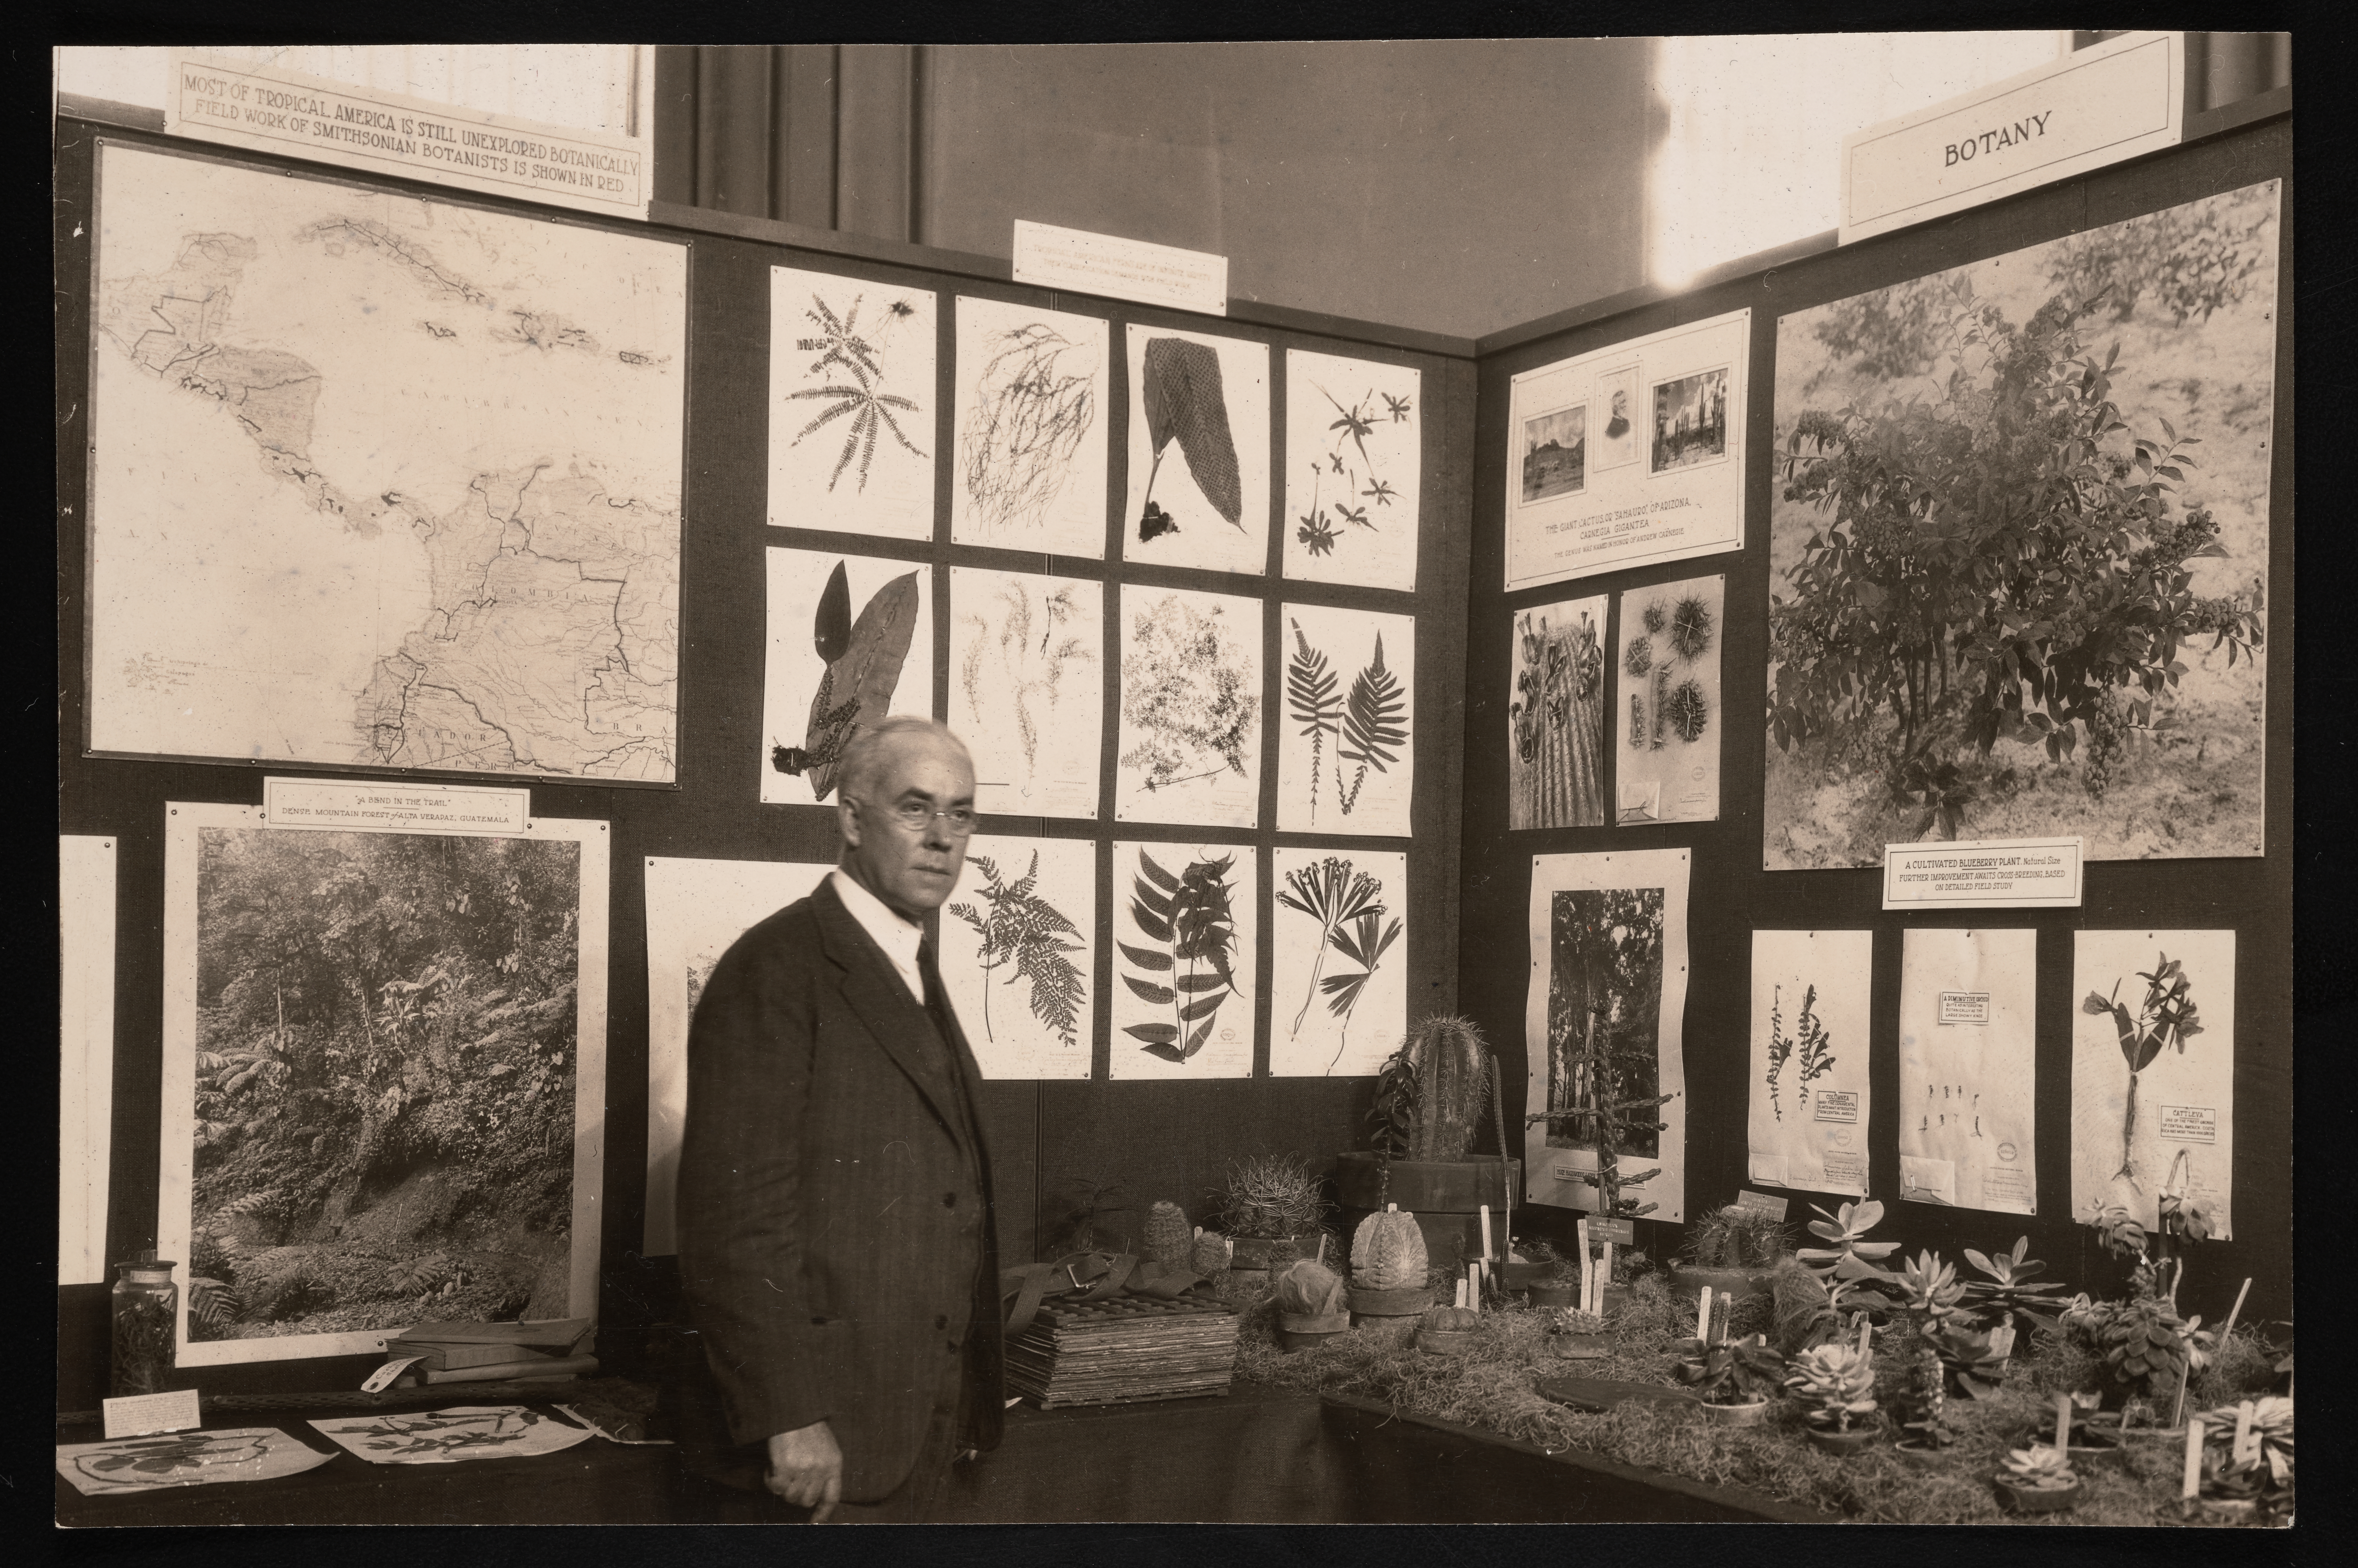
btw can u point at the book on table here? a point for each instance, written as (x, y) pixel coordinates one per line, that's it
(455, 1347)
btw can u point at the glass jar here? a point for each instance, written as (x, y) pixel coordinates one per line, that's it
(146, 1312)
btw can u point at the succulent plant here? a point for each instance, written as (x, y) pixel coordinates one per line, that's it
(1388, 1252)
(1449, 1319)
(1734, 1236)
(1929, 1287)
(1443, 1064)
(1272, 1195)
(1847, 1230)
(1170, 1239)
(1311, 1290)
(1975, 1360)
(1638, 656)
(1736, 1372)
(2009, 1290)
(2271, 1424)
(1832, 1383)
(1572, 1319)
(1210, 1254)
(2041, 1465)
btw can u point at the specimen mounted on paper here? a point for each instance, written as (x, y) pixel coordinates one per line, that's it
(1189, 747)
(1345, 759)
(1629, 455)
(852, 404)
(1807, 1127)
(1666, 714)
(380, 481)
(383, 1082)
(1198, 451)
(696, 910)
(2153, 1075)
(1339, 970)
(446, 1436)
(852, 642)
(1027, 689)
(1354, 467)
(1608, 964)
(185, 1459)
(1555, 718)
(1030, 416)
(1183, 956)
(1019, 946)
(1968, 1059)
(1984, 652)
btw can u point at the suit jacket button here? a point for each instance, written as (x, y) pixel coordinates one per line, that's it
(942, 1322)
(949, 1200)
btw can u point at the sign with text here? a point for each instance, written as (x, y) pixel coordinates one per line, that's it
(291, 113)
(1965, 1007)
(140, 1415)
(1612, 1232)
(1984, 873)
(335, 805)
(2190, 1124)
(1761, 1203)
(2118, 100)
(1116, 269)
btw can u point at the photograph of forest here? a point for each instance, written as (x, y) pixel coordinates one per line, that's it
(386, 1054)
(1604, 1008)
(2020, 548)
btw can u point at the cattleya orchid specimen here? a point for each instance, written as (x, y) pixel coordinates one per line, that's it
(2166, 1017)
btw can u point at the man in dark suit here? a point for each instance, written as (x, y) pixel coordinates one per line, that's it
(837, 1250)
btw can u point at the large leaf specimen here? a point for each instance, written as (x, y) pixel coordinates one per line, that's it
(1184, 403)
(863, 666)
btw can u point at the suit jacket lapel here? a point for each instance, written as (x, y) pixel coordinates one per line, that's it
(872, 989)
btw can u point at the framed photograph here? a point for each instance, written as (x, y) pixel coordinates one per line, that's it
(1690, 422)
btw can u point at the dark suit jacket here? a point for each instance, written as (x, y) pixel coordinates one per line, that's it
(835, 1244)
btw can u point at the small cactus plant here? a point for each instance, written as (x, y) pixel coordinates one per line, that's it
(1443, 1065)
(1170, 1239)
(1311, 1290)
(1210, 1254)
(1388, 1252)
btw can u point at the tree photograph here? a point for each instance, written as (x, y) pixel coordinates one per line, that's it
(2018, 548)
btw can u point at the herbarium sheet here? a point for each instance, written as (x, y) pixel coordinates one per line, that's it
(1184, 931)
(852, 404)
(1666, 715)
(1555, 716)
(1354, 456)
(1346, 737)
(1811, 991)
(696, 910)
(1027, 689)
(1199, 419)
(1189, 744)
(1968, 1068)
(1030, 416)
(852, 642)
(185, 1459)
(385, 1079)
(86, 865)
(1019, 947)
(1608, 994)
(1340, 962)
(2153, 1074)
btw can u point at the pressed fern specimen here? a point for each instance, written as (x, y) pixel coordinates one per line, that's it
(1311, 699)
(1816, 1047)
(1190, 917)
(1780, 1047)
(870, 407)
(1025, 933)
(1329, 893)
(1375, 720)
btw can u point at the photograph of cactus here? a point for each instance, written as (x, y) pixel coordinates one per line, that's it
(1030, 414)
(1346, 753)
(2018, 548)
(1665, 714)
(1185, 933)
(1018, 948)
(2153, 1075)
(1968, 1063)
(1556, 719)
(1606, 1129)
(852, 404)
(1340, 963)
(851, 641)
(1027, 689)
(1807, 1123)
(1199, 488)
(1353, 474)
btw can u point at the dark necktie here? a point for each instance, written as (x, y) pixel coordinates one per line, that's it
(936, 999)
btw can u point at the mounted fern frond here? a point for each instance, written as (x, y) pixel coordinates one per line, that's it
(1191, 919)
(1375, 725)
(1365, 943)
(1313, 702)
(1024, 933)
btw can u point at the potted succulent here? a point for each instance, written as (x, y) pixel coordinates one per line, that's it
(1552, 1278)
(1271, 1210)
(1834, 1385)
(1579, 1335)
(2093, 1435)
(1312, 1305)
(1447, 1330)
(1736, 1378)
(2265, 1474)
(1432, 1096)
(1731, 1249)
(1387, 1270)
(2038, 1480)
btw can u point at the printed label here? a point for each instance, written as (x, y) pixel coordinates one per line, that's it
(1847, 1170)
(1836, 1104)
(1965, 1007)
(2190, 1124)
(1761, 1203)
(137, 1415)
(1617, 1232)
(2006, 1187)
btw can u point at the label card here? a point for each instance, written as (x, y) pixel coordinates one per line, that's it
(1117, 269)
(1837, 1105)
(1965, 1007)
(1984, 873)
(1612, 1232)
(138, 1415)
(338, 807)
(1761, 1203)
(2190, 1124)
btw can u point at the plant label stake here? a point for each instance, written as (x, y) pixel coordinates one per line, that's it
(1322, 1247)
(1866, 1332)
(1581, 1227)
(1604, 1278)
(2192, 1482)
(1703, 1316)
(2243, 1439)
(2062, 1423)
(1725, 1318)
(1460, 1300)
(1473, 1286)
(1485, 1233)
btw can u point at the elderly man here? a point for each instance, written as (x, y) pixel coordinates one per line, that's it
(837, 1250)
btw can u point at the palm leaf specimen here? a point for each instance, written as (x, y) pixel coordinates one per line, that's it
(1189, 918)
(863, 666)
(1185, 403)
(1375, 723)
(1331, 893)
(1312, 703)
(1025, 933)
(869, 407)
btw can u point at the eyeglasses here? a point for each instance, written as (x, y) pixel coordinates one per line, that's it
(917, 818)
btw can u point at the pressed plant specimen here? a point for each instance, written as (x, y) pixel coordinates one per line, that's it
(1030, 667)
(1025, 933)
(1034, 400)
(1187, 688)
(1189, 919)
(1347, 905)
(1357, 469)
(861, 397)
(1690, 628)
(1375, 722)
(863, 667)
(1557, 721)
(2166, 1017)
(1312, 704)
(1317, 532)
(1809, 1037)
(1689, 710)
(1185, 403)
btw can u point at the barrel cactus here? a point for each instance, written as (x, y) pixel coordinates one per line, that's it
(1311, 1290)
(1449, 1319)
(1449, 1063)
(1211, 1254)
(1388, 1252)
(1170, 1239)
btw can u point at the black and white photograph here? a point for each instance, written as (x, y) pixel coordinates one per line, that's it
(1690, 421)
(1556, 453)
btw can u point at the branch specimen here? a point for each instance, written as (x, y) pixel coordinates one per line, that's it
(1189, 919)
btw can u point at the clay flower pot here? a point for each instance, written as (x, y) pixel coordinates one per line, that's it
(1297, 1331)
(1253, 1252)
(1825, 1440)
(1752, 1412)
(1922, 1455)
(1445, 1341)
(2026, 1500)
(1554, 1293)
(1582, 1346)
(1392, 1311)
(1687, 1279)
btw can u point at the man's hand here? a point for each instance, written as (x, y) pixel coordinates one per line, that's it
(807, 1469)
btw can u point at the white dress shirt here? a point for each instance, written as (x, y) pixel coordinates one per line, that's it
(899, 939)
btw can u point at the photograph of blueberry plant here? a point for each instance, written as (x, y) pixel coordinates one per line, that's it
(2020, 548)
(384, 1080)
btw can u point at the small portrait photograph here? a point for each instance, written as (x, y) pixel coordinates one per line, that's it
(1618, 444)
(1691, 420)
(1555, 451)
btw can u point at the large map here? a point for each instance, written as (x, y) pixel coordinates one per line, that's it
(380, 481)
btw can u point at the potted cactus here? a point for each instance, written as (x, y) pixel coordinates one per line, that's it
(1312, 1305)
(1271, 1210)
(1731, 1249)
(1735, 1379)
(1579, 1335)
(1170, 1239)
(1834, 1385)
(1447, 1330)
(1387, 1270)
(1432, 1096)
(2038, 1480)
